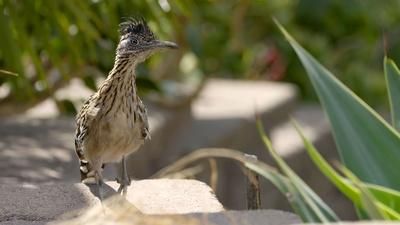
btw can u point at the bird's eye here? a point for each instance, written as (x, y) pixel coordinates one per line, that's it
(133, 41)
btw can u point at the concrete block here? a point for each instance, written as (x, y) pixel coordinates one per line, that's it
(117, 211)
(223, 115)
(375, 222)
(45, 202)
(171, 196)
(253, 217)
(125, 215)
(37, 150)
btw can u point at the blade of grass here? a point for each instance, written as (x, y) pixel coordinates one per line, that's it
(392, 77)
(280, 181)
(322, 211)
(368, 201)
(6, 72)
(389, 198)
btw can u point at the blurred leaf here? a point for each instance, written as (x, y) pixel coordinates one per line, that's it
(392, 75)
(67, 107)
(313, 208)
(8, 73)
(194, 39)
(66, 36)
(13, 58)
(368, 201)
(361, 214)
(389, 198)
(146, 84)
(182, 7)
(26, 43)
(90, 82)
(368, 146)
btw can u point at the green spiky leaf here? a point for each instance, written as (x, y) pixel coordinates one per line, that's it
(392, 76)
(389, 199)
(367, 144)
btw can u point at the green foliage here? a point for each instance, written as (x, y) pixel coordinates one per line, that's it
(302, 199)
(307, 204)
(392, 75)
(370, 153)
(389, 199)
(5, 72)
(368, 146)
(55, 41)
(49, 42)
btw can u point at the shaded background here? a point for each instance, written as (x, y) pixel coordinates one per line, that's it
(49, 42)
(53, 44)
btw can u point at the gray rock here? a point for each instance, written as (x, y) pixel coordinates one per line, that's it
(45, 202)
(254, 217)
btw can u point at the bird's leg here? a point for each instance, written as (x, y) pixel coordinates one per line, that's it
(99, 182)
(124, 180)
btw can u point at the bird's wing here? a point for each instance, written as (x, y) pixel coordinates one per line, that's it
(85, 117)
(84, 120)
(143, 119)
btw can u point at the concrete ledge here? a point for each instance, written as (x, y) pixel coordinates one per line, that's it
(115, 211)
(374, 222)
(254, 217)
(153, 202)
(45, 202)
(171, 196)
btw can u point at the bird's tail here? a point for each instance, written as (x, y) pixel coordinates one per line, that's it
(88, 174)
(84, 166)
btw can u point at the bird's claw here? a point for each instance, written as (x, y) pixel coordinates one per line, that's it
(124, 183)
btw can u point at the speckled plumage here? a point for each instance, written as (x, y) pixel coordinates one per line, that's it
(113, 123)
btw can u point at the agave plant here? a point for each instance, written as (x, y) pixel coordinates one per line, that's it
(367, 145)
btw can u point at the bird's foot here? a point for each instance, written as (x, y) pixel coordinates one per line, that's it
(124, 183)
(96, 186)
(100, 190)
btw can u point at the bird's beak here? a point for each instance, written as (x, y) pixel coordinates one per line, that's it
(165, 44)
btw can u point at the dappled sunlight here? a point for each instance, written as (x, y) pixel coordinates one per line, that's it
(243, 118)
(38, 150)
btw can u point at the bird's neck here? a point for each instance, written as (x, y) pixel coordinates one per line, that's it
(124, 68)
(121, 78)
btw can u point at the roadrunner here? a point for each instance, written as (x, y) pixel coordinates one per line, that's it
(112, 123)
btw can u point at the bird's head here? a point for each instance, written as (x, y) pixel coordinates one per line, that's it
(137, 40)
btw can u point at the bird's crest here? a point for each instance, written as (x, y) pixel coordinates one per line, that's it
(134, 26)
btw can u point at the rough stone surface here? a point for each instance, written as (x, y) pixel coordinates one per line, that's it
(255, 217)
(130, 217)
(22, 222)
(362, 223)
(172, 196)
(37, 150)
(45, 202)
